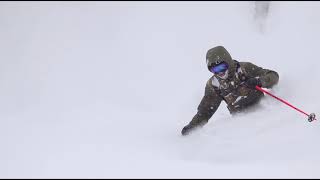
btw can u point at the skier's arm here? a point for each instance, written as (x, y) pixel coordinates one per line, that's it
(268, 78)
(207, 107)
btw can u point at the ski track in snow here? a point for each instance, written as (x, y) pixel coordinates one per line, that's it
(103, 89)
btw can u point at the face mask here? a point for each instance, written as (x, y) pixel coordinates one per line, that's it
(223, 75)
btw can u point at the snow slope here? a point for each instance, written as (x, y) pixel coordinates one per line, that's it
(103, 89)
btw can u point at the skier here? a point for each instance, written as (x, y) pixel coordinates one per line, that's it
(232, 81)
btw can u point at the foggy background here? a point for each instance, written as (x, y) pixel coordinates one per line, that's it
(103, 89)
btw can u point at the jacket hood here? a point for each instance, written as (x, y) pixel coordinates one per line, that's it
(219, 54)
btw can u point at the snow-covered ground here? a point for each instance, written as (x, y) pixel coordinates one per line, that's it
(103, 89)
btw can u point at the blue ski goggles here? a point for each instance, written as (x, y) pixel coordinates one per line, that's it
(222, 67)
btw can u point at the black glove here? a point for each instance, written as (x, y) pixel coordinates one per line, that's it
(253, 82)
(187, 129)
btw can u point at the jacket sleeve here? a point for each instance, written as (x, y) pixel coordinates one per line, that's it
(267, 77)
(207, 107)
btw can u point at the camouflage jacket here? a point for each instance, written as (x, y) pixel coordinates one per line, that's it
(233, 91)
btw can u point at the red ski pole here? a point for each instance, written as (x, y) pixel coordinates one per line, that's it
(311, 117)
